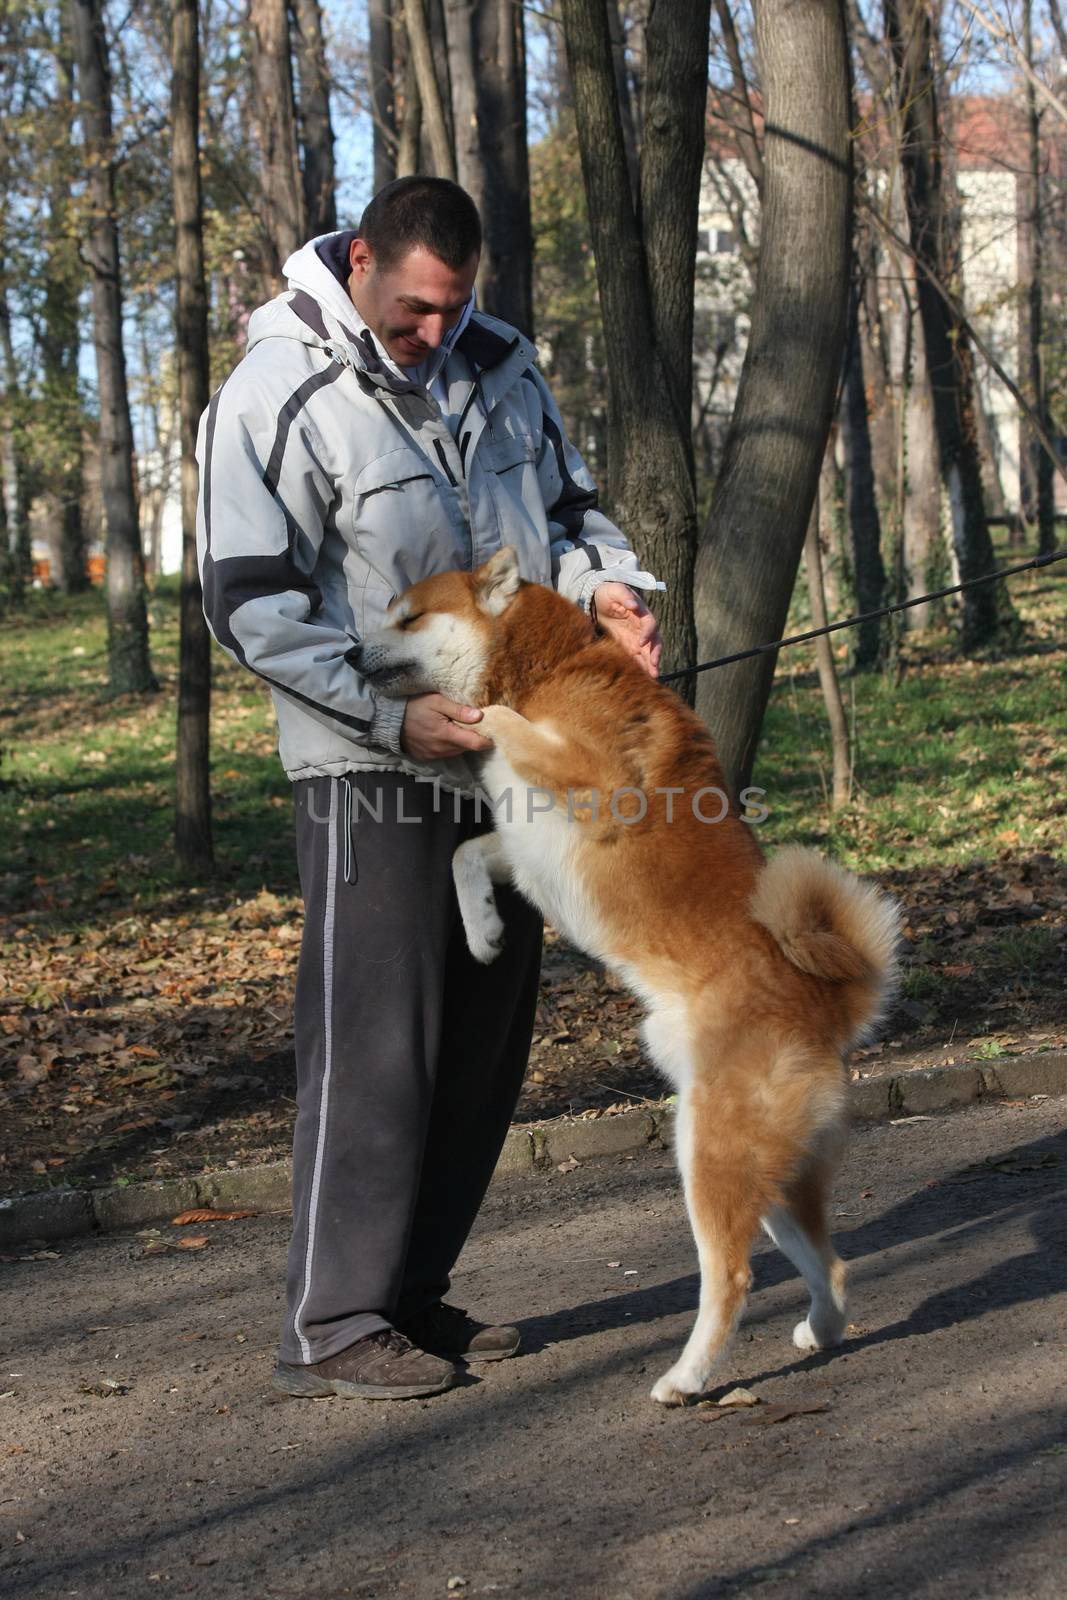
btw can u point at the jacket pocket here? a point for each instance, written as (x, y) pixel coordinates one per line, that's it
(407, 522)
(501, 455)
(390, 474)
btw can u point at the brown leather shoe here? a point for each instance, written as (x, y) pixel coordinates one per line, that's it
(447, 1331)
(383, 1366)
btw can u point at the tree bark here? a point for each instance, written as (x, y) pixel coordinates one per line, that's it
(192, 818)
(129, 668)
(750, 549)
(284, 219)
(672, 161)
(313, 112)
(617, 30)
(924, 556)
(17, 475)
(827, 669)
(462, 76)
(1035, 465)
(649, 442)
(433, 109)
(382, 91)
(409, 136)
(864, 522)
(948, 351)
(506, 275)
(61, 342)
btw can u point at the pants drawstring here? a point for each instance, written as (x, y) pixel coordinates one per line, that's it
(350, 868)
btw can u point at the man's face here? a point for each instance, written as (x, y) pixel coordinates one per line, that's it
(410, 305)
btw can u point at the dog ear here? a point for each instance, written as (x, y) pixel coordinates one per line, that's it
(497, 581)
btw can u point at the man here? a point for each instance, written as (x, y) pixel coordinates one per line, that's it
(379, 429)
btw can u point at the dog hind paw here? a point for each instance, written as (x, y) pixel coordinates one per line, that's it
(674, 1390)
(807, 1338)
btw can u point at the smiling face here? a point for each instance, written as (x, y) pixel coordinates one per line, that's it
(411, 304)
(437, 637)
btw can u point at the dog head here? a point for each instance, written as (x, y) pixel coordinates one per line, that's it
(438, 637)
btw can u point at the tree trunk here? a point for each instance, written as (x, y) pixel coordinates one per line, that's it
(129, 669)
(864, 523)
(649, 441)
(61, 344)
(948, 351)
(409, 137)
(462, 76)
(192, 817)
(924, 553)
(316, 128)
(1034, 462)
(284, 220)
(751, 546)
(18, 493)
(382, 91)
(824, 660)
(617, 30)
(433, 109)
(672, 161)
(506, 276)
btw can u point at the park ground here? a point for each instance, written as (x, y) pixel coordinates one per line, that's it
(143, 1453)
(145, 1023)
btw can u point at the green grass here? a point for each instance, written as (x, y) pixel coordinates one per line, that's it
(955, 760)
(87, 780)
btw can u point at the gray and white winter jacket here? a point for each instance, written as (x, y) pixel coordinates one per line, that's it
(330, 481)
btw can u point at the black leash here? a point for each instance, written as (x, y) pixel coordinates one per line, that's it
(868, 616)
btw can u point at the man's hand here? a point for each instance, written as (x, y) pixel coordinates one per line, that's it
(618, 611)
(435, 728)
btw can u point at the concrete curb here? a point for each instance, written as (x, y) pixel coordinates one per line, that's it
(529, 1148)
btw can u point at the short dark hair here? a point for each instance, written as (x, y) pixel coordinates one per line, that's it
(431, 212)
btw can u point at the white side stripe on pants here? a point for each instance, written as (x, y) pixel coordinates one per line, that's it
(327, 1052)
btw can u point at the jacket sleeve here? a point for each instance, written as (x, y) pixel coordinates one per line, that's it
(587, 548)
(265, 497)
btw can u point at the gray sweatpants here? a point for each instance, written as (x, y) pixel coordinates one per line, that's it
(410, 1056)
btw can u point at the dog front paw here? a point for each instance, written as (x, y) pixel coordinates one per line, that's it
(485, 938)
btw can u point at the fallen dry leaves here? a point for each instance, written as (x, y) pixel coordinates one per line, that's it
(152, 1044)
(203, 1214)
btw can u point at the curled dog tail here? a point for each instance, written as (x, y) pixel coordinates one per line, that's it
(831, 926)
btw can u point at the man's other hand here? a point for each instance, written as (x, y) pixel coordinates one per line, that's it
(435, 728)
(618, 611)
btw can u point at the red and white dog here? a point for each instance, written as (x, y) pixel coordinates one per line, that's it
(755, 975)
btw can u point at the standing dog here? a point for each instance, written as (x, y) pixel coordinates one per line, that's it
(610, 816)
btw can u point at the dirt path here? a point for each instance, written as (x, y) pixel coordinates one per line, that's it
(936, 1468)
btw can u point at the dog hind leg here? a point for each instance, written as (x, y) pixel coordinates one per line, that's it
(799, 1228)
(724, 1210)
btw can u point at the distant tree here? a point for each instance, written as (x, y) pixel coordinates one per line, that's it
(284, 218)
(947, 343)
(63, 412)
(864, 522)
(192, 831)
(432, 95)
(129, 668)
(380, 69)
(313, 116)
(751, 546)
(16, 470)
(1039, 504)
